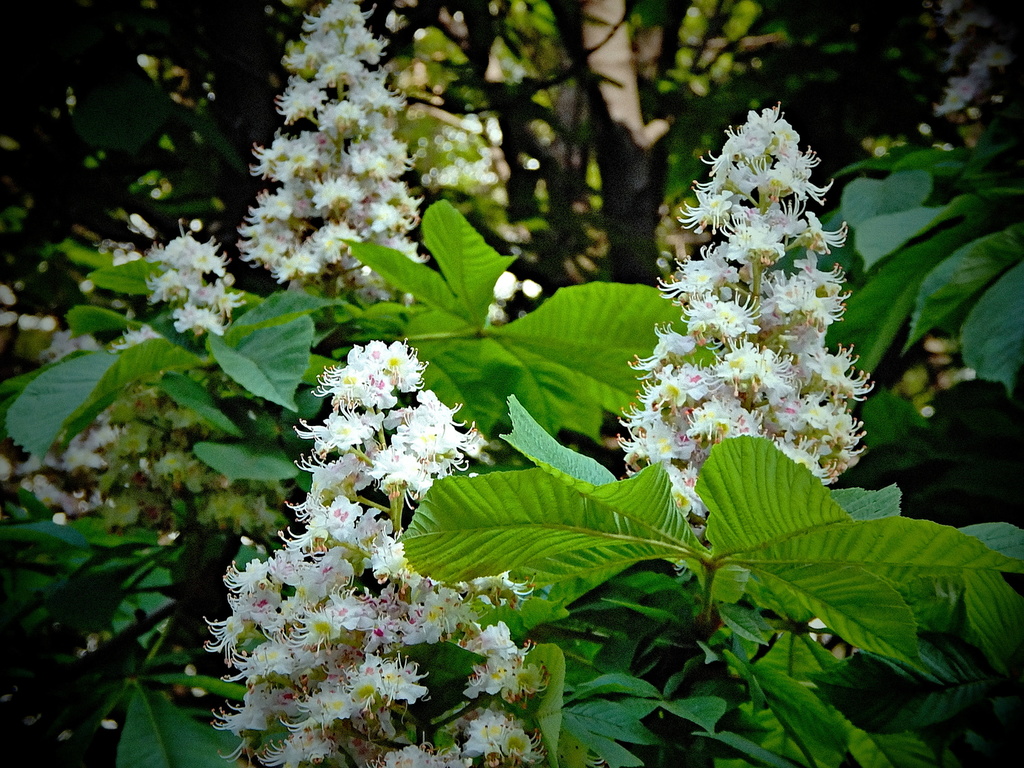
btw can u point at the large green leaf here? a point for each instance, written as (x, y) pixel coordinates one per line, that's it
(541, 528)
(949, 289)
(277, 309)
(884, 696)
(819, 731)
(891, 750)
(809, 558)
(542, 449)
(269, 362)
(85, 319)
(879, 236)
(876, 312)
(188, 393)
(140, 362)
(582, 341)
(865, 198)
(568, 361)
(244, 461)
(408, 276)
(158, 735)
(35, 418)
(469, 265)
(756, 495)
(995, 619)
(993, 334)
(129, 277)
(862, 608)
(861, 504)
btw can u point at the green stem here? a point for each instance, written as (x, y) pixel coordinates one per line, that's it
(471, 333)
(374, 504)
(707, 620)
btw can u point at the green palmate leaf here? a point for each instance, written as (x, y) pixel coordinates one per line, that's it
(215, 685)
(956, 282)
(158, 735)
(1002, 537)
(884, 696)
(141, 362)
(36, 417)
(542, 449)
(895, 750)
(576, 351)
(993, 336)
(245, 461)
(819, 732)
(277, 309)
(757, 495)
(44, 532)
(862, 608)
(568, 361)
(600, 724)
(750, 749)
(85, 319)
(546, 708)
(188, 393)
(865, 198)
(127, 278)
(469, 265)
(269, 362)
(408, 276)
(478, 373)
(995, 619)
(861, 504)
(809, 558)
(745, 622)
(705, 711)
(541, 528)
(879, 236)
(875, 567)
(875, 314)
(615, 682)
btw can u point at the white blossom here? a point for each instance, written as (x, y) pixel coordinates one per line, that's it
(752, 359)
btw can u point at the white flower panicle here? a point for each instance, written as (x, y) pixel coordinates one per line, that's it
(752, 359)
(981, 45)
(338, 172)
(322, 631)
(199, 305)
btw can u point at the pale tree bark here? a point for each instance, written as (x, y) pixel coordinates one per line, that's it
(630, 185)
